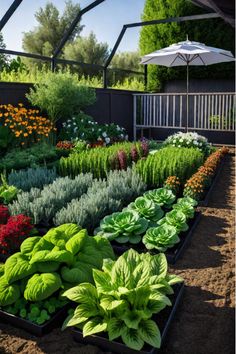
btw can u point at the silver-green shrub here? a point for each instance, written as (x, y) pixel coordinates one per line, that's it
(32, 177)
(52, 198)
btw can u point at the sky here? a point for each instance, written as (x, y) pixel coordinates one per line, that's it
(105, 20)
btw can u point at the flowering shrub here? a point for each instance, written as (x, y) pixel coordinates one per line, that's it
(172, 183)
(66, 145)
(83, 127)
(25, 125)
(201, 180)
(189, 140)
(13, 231)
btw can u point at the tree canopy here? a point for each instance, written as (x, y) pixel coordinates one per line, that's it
(3, 57)
(213, 32)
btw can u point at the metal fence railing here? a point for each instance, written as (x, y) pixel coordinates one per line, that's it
(207, 111)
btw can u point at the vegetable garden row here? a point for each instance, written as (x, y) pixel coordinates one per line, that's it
(86, 234)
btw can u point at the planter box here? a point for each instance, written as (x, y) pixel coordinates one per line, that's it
(38, 330)
(172, 254)
(163, 320)
(204, 202)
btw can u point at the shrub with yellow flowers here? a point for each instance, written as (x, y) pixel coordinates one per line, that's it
(26, 125)
(195, 186)
(173, 183)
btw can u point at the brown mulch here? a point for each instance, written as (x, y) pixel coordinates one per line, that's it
(204, 322)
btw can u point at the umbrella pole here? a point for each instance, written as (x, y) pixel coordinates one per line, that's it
(187, 98)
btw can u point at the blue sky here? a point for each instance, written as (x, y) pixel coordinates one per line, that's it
(106, 21)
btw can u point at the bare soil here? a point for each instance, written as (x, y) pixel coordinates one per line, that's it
(204, 322)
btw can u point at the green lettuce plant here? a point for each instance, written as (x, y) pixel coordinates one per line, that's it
(175, 218)
(7, 193)
(126, 226)
(126, 295)
(185, 207)
(162, 196)
(147, 209)
(161, 238)
(65, 256)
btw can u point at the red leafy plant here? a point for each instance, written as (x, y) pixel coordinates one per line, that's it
(13, 231)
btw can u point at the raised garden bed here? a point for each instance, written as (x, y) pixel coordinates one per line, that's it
(172, 254)
(38, 330)
(163, 320)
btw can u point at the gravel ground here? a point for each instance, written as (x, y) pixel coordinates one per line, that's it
(204, 322)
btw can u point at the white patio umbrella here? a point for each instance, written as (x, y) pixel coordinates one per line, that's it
(188, 53)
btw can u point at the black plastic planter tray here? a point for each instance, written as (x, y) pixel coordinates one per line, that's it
(174, 253)
(3, 258)
(163, 320)
(38, 330)
(204, 202)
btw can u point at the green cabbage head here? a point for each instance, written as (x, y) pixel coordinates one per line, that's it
(147, 209)
(161, 237)
(162, 196)
(175, 218)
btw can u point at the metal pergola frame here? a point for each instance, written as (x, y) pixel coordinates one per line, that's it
(54, 58)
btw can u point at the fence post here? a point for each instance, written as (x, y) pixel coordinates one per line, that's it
(134, 117)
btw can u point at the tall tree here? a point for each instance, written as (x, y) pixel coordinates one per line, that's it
(51, 26)
(214, 32)
(126, 61)
(87, 50)
(3, 57)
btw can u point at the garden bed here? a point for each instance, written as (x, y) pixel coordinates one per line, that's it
(163, 320)
(38, 330)
(172, 254)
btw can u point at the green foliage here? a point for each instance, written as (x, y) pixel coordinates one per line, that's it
(175, 218)
(186, 206)
(61, 96)
(67, 246)
(147, 209)
(98, 161)
(30, 157)
(43, 205)
(50, 28)
(101, 199)
(161, 237)
(162, 196)
(212, 32)
(126, 226)
(169, 161)
(127, 293)
(32, 178)
(7, 192)
(3, 57)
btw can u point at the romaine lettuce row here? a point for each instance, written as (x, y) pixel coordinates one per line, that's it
(65, 256)
(126, 295)
(126, 226)
(162, 196)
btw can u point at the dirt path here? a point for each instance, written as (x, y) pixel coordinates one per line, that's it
(204, 323)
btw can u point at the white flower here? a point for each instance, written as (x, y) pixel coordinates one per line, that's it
(195, 142)
(126, 137)
(188, 142)
(181, 140)
(122, 135)
(104, 134)
(68, 126)
(107, 140)
(179, 146)
(73, 118)
(69, 121)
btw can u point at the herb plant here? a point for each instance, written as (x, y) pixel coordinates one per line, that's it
(126, 295)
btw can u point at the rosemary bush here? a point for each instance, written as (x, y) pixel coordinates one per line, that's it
(100, 161)
(169, 161)
(32, 177)
(102, 198)
(52, 198)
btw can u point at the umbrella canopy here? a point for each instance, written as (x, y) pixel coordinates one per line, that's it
(188, 53)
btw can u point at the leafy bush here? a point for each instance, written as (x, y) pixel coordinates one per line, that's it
(147, 209)
(43, 205)
(126, 295)
(126, 226)
(189, 140)
(161, 237)
(102, 198)
(101, 160)
(32, 177)
(65, 256)
(30, 157)
(26, 125)
(61, 95)
(169, 161)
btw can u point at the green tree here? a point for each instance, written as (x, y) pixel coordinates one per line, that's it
(126, 61)
(51, 26)
(214, 32)
(87, 50)
(3, 57)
